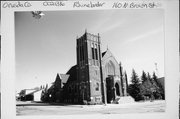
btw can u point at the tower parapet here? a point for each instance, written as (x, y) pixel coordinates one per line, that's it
(88, 63)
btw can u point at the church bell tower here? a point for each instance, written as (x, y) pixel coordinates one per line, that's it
(89, 67)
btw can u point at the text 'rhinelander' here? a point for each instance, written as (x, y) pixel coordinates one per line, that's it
(88, 5)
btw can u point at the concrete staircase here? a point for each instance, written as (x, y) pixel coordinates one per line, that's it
(122, 100)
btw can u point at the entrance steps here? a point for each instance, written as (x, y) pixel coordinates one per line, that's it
(122, 100)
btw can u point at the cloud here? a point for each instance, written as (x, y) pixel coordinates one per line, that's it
(106, 25)
(143, 36)
(106, 22)
(111, 27)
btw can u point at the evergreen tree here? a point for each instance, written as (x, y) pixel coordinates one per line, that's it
(159, 94)
(149, 78)
(134, 88)
(134, 78)
(152, 87)
(154, 76)
(147, 88)
(143, 77)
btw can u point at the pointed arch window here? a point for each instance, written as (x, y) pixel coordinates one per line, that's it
(110, 68)
(96, 52)
(92, 50)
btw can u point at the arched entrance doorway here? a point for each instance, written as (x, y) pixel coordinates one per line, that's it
(117, 89)
(110, 89)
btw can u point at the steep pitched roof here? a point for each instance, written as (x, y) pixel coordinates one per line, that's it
(104, 53)
(32, 92)
(107, 54)
(57, 78)
(58, 82)
(64, 77)
(72, 73)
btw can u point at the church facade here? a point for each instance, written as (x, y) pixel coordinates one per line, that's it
(97, 77)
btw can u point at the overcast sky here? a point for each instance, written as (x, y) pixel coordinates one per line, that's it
(47, 46)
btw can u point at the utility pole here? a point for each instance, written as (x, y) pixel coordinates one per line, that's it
(104, 99)
(121, 78)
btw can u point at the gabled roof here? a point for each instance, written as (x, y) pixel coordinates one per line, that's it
(58, 79)
(107, 54)
(104, 53)
(33, 91)
(72, 74)
(64, 77)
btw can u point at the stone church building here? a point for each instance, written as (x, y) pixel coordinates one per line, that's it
(96, 78)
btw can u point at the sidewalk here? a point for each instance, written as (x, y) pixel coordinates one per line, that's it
(125, 104)
(29, 103)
